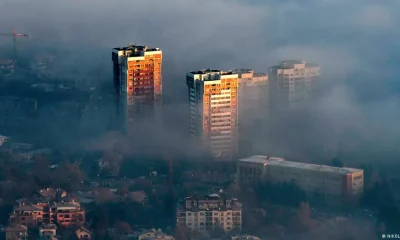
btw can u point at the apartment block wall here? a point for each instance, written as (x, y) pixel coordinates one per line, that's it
(206, 215)
(292, 82)
(312, 181)
(44, 213)
(253, 103)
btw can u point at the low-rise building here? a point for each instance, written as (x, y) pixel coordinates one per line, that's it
(69, 214)
(48, 231)
(65, 214)
(16, 232)
(244, 237)
(211, 212)
(312, 178)
(155, 234)
(83, 233)
(27, 215)
(3, 139)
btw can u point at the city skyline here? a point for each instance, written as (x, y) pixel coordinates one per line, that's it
(170, 136)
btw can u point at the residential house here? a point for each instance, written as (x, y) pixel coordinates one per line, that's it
(16, 232)
(83, 233)
(28, 215)
(155, 234)
(47, 231)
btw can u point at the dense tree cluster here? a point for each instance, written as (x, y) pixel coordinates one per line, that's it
(19, 179)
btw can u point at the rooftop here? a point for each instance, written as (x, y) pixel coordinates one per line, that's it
(243, 70)
(154, 234)
(290, 64)
(48, 226)
(135, 50)
(205, 71)
(260, 74)
(29, 208)
(16, 228)
(208, 71)
(84, 229)
(212, 196)
(307, 166)
(293, 62)
(66, 205)
(245, 237)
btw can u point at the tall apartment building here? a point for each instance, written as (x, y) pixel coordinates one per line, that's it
(209, 213)
(292, 82)
(253, 102)
(138, 81)
(253, 95)
(213, 106)
(315, 179)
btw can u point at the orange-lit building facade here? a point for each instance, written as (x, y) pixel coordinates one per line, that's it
(27, 215)
(213, 106)
(66, 214)
(138, 81)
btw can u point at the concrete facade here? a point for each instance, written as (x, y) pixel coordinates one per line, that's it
(312, 178)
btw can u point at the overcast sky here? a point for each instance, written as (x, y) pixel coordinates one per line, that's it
(338, 34)
(355, 42)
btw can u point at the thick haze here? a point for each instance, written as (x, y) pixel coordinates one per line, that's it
(355, 42)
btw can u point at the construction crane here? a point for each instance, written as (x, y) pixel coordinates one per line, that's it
(15, 35)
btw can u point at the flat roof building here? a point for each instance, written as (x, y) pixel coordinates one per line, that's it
(211, 212)
(155, 234)
(312, 178)
(16, 231)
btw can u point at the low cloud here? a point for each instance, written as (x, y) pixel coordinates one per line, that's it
(355, 42)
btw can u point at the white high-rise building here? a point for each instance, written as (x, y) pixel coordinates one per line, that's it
(253, 104)
(292, 82)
